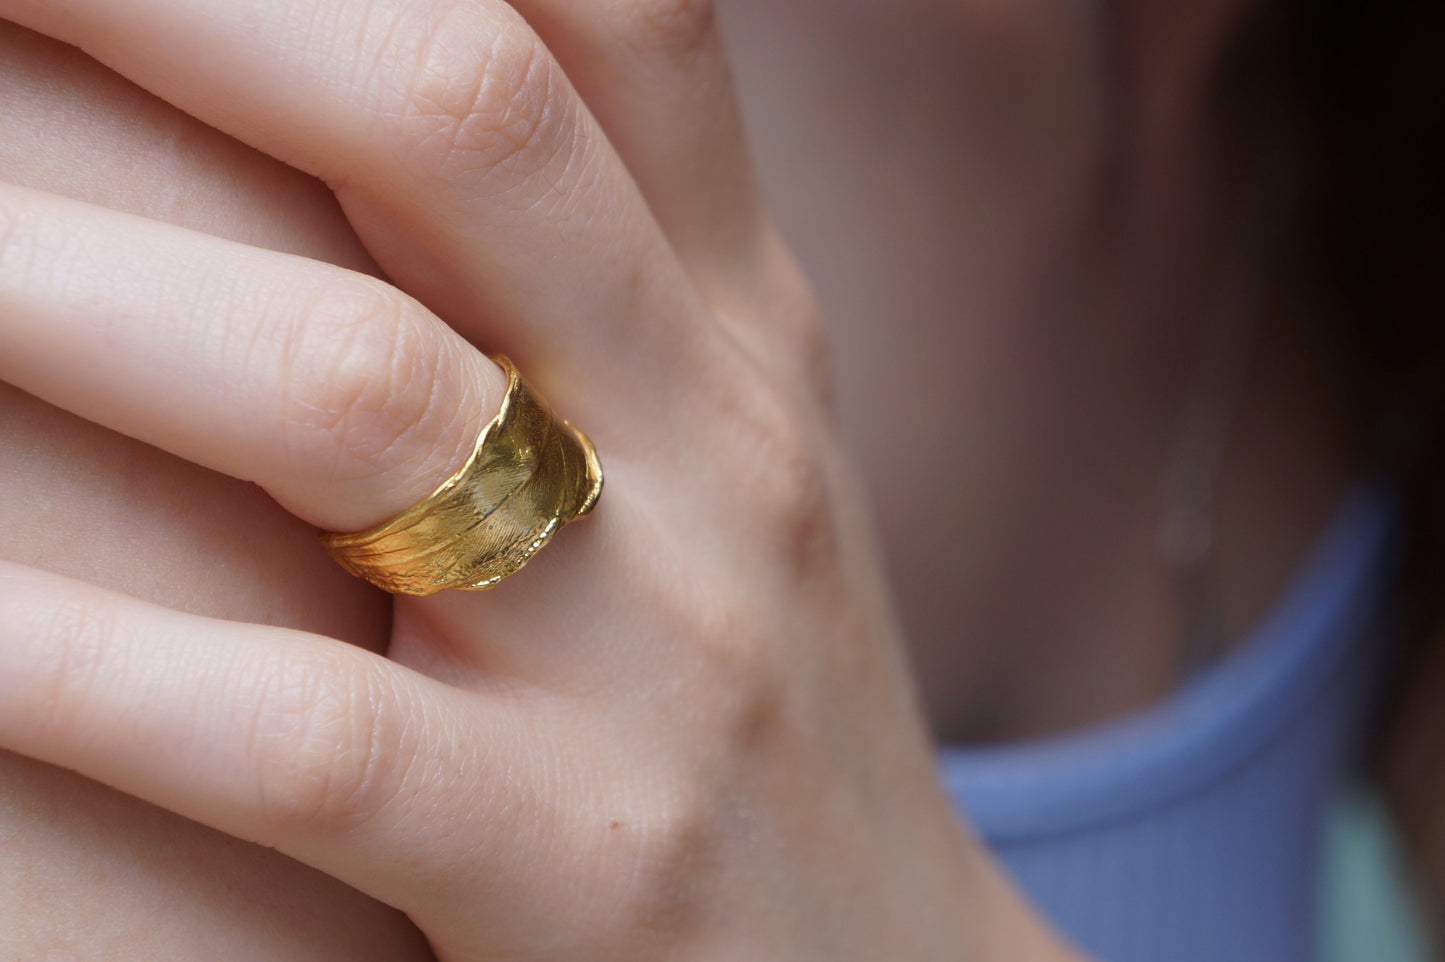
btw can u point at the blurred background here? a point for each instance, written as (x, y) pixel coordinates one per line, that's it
(1128, 299)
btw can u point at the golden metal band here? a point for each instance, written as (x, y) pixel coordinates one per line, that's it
(529, 474)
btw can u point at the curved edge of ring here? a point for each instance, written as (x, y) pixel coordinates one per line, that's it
(594, 471)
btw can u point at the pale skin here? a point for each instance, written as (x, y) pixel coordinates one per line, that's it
(86, 872)
(502, 778)
(988, 894)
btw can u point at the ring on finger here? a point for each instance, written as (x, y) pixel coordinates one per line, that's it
(529, 474)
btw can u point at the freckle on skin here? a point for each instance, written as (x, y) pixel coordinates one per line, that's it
(614, 825)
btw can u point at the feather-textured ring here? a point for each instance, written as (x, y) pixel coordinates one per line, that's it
(529, 474)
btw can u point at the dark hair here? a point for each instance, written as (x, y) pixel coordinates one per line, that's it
(1346, 97)
(1375, 99)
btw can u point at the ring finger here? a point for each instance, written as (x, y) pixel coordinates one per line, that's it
(344, 398)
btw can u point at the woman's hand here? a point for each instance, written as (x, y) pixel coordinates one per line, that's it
(87, 873)
(685, 731)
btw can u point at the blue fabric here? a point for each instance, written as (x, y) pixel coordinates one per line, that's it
(1191, 832)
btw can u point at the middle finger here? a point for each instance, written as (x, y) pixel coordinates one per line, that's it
(474, 173)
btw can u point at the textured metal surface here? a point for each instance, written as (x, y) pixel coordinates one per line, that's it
(529, 474)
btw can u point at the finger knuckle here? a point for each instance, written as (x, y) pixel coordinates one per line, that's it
(805, 336)
(669, 28)
(365, 371)
(737, 686)
(813, 346)
(481, 94)
(328, 755)
(667, 826)
(32, 251)
(753, 701)
(74, 641)
(660, 842)
(797, 334)
(783, 472)
(15, 225)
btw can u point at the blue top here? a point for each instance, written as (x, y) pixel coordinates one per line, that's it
(1190, 832)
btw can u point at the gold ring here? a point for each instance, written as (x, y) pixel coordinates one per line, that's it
(529, 474)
